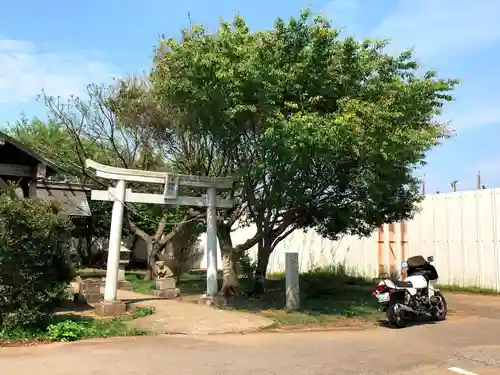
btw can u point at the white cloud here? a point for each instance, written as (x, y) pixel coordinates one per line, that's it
(438, 28)
(25, 71)
(435, 27)
(447, 35)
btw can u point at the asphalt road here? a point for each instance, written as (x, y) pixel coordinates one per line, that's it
(471, 344)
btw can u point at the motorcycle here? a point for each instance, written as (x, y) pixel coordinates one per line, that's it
(416, 295)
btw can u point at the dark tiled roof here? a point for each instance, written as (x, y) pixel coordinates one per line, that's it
(52, 168)
(71, 197)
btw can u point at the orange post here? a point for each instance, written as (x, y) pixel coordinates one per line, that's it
(380, 250)
(392, 247)
(403, 247)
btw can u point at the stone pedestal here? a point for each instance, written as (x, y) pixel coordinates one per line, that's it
(125, 285)
(110, 308)
(166, 288)
(162, 284)
(122, 284)
(90, 291)
(211, 301)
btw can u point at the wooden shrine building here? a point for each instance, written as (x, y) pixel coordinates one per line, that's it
(32, 173)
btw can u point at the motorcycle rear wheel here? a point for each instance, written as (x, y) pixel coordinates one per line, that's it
(398, 319)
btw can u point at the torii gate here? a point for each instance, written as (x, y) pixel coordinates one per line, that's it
(171, 181)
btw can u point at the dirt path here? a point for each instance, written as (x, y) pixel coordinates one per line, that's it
(474, 305)
(189, 318)
(177, 317)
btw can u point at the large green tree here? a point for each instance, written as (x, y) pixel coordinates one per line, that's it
(319, 131)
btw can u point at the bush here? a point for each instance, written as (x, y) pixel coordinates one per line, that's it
(66, 331)
(35, 266)
(247, 266)
(321, 281)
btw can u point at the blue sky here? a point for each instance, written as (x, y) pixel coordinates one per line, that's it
(60, 46)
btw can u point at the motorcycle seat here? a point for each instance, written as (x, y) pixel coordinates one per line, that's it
(402, 284)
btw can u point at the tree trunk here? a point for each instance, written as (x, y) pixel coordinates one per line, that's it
(263, 254)
(150, 260)
(88, 247)
(229, 257)
(270, 239)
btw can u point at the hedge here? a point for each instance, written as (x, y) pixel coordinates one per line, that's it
(35, 263)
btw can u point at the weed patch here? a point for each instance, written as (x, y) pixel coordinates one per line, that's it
(67, 328)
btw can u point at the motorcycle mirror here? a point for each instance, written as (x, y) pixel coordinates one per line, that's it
(430, 259)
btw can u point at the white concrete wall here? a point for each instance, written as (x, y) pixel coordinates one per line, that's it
(461, 230)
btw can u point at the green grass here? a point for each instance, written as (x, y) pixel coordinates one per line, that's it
(192, 283)
(73, 328)
(327, 295)
(139, 285)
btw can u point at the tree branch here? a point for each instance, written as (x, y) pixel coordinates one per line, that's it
(138, 231)
(160, 229)
(251, 242)
(281, 237)
(178, 228)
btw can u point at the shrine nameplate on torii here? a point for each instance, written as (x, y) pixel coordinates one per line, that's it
(171, 182)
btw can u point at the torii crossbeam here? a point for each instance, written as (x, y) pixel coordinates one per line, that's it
(119, 195)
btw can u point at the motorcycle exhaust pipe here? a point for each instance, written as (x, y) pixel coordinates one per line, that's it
(404, 308)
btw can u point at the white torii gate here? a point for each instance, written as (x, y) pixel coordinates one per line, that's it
(119, 195)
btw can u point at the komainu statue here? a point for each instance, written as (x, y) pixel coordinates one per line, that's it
(162, 271)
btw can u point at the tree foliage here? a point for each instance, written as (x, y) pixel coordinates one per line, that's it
(320, 131)
(35, 265)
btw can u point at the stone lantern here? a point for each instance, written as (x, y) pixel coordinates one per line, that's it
(125, 255)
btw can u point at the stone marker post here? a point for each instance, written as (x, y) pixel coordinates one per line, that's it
(292, 281)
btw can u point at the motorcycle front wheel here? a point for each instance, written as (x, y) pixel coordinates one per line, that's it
(441, 310)
(397, 319)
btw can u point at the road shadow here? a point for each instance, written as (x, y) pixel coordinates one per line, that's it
(72, 306)
(138, 300)
(414, 322)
